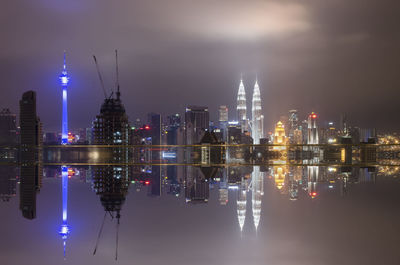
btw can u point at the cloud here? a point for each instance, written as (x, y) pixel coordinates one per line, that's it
(233, 19)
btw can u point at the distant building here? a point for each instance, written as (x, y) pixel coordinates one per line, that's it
(312, 129)
(8, 136)
(51, 138)
(8, 128)
(257, 125)
(223, 113)
(293, 125)
(197, 120)
(155, 123)
(280, 136)
(241, 107)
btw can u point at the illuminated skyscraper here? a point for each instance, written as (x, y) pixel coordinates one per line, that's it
(64, 79)
(312, 129)
(64, 230)
(293, 125)
(241, 106)
(257, 124)
(280, 136)
(223, 113)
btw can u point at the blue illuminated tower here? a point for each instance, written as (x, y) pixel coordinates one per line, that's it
(65, 229)
(64, 79)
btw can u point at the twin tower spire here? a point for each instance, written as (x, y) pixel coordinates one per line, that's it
(256, 124)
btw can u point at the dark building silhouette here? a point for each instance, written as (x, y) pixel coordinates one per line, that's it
(31, 144)
(197, 121)
(31, 129)
(111, 127)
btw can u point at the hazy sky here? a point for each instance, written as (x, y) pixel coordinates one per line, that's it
(324, 56)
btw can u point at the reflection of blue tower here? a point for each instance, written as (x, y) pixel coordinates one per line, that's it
(65, 229)
(64, 79)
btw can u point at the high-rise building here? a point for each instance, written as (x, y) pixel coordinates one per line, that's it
(174, 121)
(64, 79)
(155, 123)
(197, 121)
(312, 129)
(8, 136)
(8, 128)
(111, 125)
(31, 144)
(279, 136)
(241, 107)
(293, 125)
(257, 125)
(223, 113)
(8, 182)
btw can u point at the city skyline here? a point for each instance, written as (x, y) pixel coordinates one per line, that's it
(307, 61)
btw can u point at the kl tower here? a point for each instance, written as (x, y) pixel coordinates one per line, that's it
(64, 79)
(65, 229)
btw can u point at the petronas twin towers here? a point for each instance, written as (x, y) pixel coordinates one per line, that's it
(256, 125)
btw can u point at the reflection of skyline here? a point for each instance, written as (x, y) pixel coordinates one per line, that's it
(111, 183)
(257, 191)
(8, 182)
(65, 229)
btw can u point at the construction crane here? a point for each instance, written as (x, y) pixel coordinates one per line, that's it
(101, 79)
(117, 81)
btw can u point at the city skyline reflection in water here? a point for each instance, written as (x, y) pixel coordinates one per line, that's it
(203, 215)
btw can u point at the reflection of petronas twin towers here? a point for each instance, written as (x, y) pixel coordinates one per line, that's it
(257, 121)
(257, 191)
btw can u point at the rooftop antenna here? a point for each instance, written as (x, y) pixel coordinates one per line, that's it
(116, 63)
(101, 79)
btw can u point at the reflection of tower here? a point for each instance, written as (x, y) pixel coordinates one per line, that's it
(197, 186)
(111, 183)
(241, 202)
(241, 106)
(65, 229)
(223, 188)
(257, 125)
(295, 176)
(8, 182)
(256, 194)
(64, 79)
(280, 176)
(312, 129)
(312, 172)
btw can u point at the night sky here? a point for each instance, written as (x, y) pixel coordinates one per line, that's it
(324, 56)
